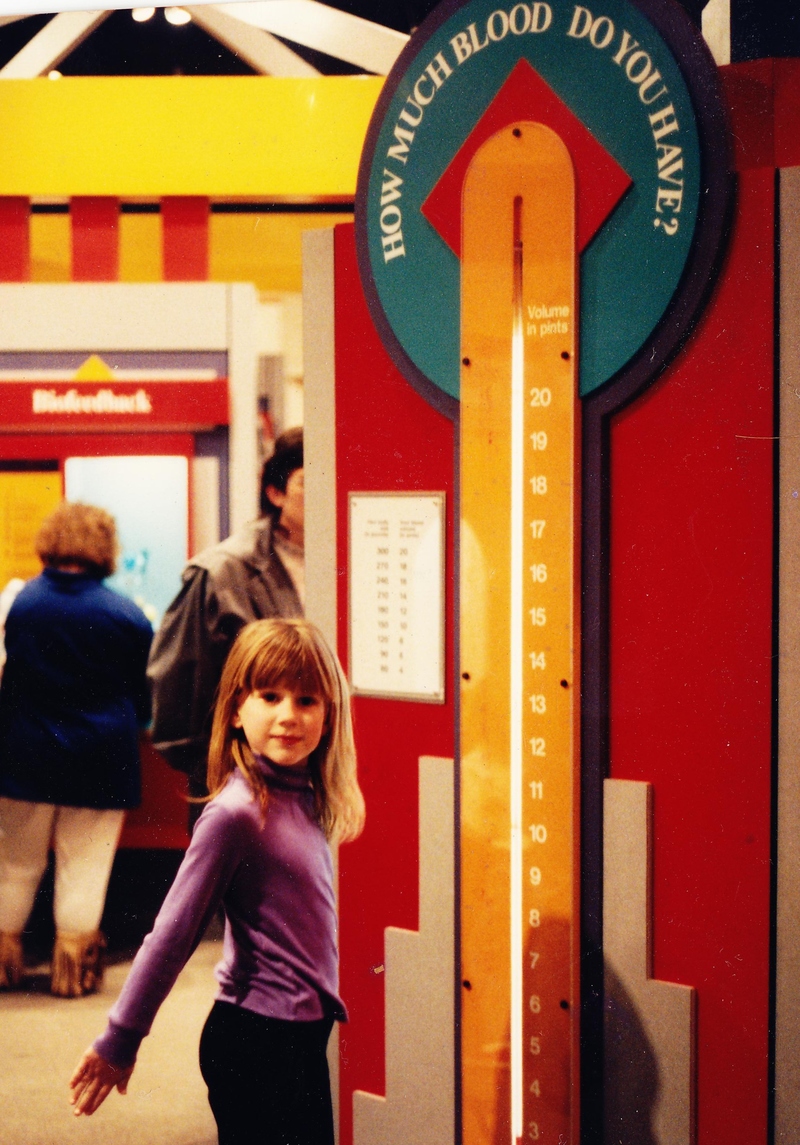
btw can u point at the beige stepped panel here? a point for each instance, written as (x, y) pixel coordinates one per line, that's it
(419, 1107)
(649, 1025)
(319, 384)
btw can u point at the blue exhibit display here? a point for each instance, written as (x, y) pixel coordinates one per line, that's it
(149, 497)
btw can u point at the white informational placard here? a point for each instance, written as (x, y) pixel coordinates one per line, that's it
(397, 595)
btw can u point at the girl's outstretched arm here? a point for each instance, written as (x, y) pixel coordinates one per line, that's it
(93, 1080)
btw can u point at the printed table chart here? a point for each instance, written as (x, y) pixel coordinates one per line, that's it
(397, 595)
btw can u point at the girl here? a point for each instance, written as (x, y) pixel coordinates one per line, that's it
(282, 778)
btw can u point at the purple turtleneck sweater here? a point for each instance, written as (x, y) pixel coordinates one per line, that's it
(274, 879)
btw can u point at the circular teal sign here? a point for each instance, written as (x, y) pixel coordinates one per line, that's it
(635, 85)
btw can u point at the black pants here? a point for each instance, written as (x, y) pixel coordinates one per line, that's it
(267, 1079)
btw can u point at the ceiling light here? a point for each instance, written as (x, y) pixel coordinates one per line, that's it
(177, 16)
(142, 14)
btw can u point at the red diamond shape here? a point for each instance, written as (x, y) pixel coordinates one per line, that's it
(601, 182)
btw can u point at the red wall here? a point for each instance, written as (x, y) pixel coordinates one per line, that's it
(387, 439)
(691, 553)
(691, 664)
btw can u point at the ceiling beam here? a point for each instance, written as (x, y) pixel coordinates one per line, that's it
(256, 47)
(52, 44)
(359, 42)
(717, 29)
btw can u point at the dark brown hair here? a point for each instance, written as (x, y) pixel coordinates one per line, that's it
(277, 470)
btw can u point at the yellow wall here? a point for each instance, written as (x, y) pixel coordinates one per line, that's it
(222, 136)
(261, 248)
(140, 248)
(251, 138)
(50, 248)
(264, 249)
(25, 500)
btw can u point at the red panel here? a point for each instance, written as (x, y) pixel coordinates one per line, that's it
(161, 819)
(95, 239)
(691, 622)
(49, 407)
(15, 245)
(387, 439)
(601, 182)
(763, 99)
(749, 95)
(787, 113)
(59, 446)
(184, 222)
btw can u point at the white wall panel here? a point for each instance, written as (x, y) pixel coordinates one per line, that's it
(113, 316)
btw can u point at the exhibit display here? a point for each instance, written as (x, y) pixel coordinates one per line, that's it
(542, 204)
(549, 390)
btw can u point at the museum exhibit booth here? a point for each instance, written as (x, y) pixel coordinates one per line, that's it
(550, 382)
(559, 346)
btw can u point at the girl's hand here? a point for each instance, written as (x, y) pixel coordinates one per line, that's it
(92, 1082)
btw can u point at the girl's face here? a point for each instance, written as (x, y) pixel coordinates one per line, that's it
(281, 724)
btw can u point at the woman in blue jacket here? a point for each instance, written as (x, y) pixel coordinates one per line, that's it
(73, 697)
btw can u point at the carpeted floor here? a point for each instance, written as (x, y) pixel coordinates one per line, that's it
(42, 1038)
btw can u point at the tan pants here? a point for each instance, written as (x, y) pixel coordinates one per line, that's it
(84, 841)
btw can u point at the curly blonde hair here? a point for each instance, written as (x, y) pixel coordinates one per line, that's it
(78, 534)
(291, 654)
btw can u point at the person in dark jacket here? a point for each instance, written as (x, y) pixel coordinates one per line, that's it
(73, 698)
(256, 574)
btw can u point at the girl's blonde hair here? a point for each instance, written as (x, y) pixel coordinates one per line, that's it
(291, 654)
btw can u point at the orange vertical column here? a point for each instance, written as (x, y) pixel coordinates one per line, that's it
(95, 238)
(519, 427)
(185, 238)
(15, 242)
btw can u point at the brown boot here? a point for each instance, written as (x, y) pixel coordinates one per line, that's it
(10, 960)
(77, 964)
